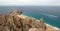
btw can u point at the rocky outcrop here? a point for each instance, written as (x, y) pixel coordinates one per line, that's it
(42, 25)
(2, 19)
(6, 22)
(16, 12)
(12, 22)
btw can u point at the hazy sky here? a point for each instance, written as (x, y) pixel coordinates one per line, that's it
(30, 2)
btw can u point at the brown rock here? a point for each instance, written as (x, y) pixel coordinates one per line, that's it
(12, 22)
(17, 20)
(16, 12)
(2, 19)
(41, 23)
(5, 21)
(33, 29)
(41, 20)
(25, 25)
(9, 21)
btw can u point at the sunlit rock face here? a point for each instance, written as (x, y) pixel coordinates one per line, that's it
(13, 22)
(2, 19)
(6, 22)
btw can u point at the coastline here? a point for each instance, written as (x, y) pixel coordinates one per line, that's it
(48, 25)
(51, 26)
(15, 21)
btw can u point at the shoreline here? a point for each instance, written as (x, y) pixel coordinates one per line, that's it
(48, 25)
(52, 26)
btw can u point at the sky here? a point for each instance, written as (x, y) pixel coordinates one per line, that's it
(29, 2)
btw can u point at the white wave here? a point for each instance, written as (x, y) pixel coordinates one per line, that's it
(52, 26)
(48, 15)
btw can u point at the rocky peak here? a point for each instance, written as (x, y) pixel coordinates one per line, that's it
(16, 12)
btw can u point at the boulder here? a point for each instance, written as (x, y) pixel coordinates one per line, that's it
(17, 23)
(25, 25)
(41, 23)
(17, 20)
(33, 29)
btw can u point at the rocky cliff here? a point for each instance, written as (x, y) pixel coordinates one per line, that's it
(15, 21)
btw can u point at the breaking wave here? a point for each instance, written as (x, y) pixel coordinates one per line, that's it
(49, 15)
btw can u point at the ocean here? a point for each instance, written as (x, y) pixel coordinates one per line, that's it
(51, 14)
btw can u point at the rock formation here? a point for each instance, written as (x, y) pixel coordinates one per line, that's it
(12, 22)
(16, 12)
(42, 25)
(2, 19)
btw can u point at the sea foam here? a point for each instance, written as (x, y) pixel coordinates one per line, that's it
(52, 26)
(48, 15)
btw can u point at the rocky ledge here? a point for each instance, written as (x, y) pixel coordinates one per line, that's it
(15, 21)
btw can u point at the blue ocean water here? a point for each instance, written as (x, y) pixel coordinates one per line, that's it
(51, 14)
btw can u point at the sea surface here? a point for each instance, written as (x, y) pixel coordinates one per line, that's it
(51, 14)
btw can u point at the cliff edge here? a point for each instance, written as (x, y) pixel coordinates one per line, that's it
(15, 21)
